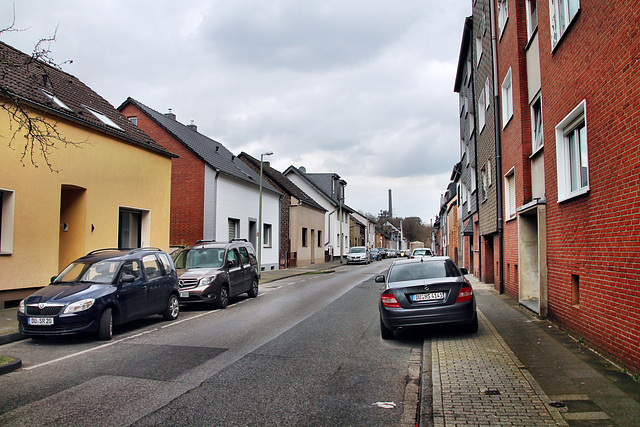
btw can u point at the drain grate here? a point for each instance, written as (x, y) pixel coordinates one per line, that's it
(491, 392)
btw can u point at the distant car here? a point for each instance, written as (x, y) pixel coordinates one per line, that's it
(375, 254)
(391, 253)
(425, 291)
(421, 252)
(216, 271)
(358, 255)
(382, 252)
(104, 288)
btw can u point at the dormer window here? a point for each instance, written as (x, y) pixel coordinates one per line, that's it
(104, 119)
(55, 99)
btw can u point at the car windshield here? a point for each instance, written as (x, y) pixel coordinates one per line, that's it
(423, 270)
(103, 272)
(357, 250)
(200, 258)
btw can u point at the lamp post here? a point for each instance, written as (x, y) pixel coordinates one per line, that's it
(268, 153)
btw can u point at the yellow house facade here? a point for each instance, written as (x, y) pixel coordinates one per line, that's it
(110, 190)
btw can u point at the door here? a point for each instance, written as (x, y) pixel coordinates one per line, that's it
(156, 284)
(237, 274)
(132, 295)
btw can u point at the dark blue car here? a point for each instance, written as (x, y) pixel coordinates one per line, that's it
(106, 287)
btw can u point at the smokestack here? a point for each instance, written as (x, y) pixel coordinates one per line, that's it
(170, 115)
(390, 205)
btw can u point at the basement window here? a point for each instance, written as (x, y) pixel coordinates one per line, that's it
(104, 119)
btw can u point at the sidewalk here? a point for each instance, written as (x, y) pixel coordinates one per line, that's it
(520, 370)
(9, 322)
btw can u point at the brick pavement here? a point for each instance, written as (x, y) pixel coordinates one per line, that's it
(478, 380)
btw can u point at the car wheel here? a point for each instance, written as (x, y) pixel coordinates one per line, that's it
(473, 326)
(173, 308)
(386, 333)
(105, 325)
(253, 292)
(223, 297)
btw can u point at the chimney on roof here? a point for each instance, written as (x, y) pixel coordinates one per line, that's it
(193, 127)
(170, 115)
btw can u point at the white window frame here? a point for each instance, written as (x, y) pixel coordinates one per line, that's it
(234, 228)
(510, 194)
(482, 99)
(561, 13)
(55, 99)
(144, 226)
(507, 99)
(483, 183)
(7, 215)
(102, 117)
(503, 15)
(267, 235)
(487, 93)
(532, 17)
(478, 46)
(489, 181)
(569, 155)
(537, 131)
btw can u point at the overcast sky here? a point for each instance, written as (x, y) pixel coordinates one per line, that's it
(361, 88)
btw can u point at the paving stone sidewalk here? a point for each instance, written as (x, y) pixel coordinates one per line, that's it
(478, 381)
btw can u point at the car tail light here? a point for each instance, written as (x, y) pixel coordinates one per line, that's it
(389, 300)
(465, 294)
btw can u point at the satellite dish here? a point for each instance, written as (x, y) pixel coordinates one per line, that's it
(303, 169)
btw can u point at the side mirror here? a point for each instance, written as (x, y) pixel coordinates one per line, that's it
(380, 279)
(52, 279)
(464, 271)
(127, 278)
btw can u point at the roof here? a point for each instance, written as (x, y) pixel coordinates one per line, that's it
(44, 87)
(210, 151)
(321, 182)
(285, 183)
(464, 52)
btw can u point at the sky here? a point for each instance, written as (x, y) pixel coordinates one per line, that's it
(360, 88)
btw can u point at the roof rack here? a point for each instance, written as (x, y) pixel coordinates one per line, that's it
(146, 248)
(103, 250)
(205, 241)
(239, 240)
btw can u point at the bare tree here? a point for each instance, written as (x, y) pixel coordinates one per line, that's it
(33, 131)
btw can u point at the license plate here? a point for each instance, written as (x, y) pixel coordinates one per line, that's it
(40, 321)
(427, 297)
(184, 294)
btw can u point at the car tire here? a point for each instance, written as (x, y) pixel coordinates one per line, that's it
(473, 326)
(253, 292)
(173, 308)
(223, 297)
(386, 333)
(105, 325)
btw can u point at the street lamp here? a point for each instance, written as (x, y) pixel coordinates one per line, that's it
(268, 153)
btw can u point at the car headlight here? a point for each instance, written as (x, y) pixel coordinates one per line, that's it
(21, 307)
(206, 281)
(78, 306)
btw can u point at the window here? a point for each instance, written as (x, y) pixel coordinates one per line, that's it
(151, 267)
(319, 238)
(572, 154)
(483, 183)
(55, 99)
(129, 229)
(104, 119)
(507, 99)
(537, 137)
(133, 119)
(472, 127)
(165, 260)
(479, 45)
(510, 194)
(481, 110)
(304, 237)
(487, 94)
(561, 12)
(473, 178)
(489, 172)
(503, 15)
(234, 228)
(6, 221)
(244, 255)
(266, 236)
(532, 18)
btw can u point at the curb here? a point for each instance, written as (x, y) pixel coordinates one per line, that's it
(13, 337)
(11, 366)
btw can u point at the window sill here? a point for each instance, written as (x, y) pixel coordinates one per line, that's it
(6, 253)
(536, 152)
(573, 195)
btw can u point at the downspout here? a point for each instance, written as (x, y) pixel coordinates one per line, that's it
(496, 120)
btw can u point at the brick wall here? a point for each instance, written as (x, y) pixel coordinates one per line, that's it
(594, 240)
(187, 182)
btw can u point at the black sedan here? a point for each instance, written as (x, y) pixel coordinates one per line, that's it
(425, 291)
(102, 289)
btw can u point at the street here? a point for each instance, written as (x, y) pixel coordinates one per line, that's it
(307, 351)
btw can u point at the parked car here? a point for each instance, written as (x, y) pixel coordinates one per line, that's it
(375, 254)
(421, 252)
(216, 271)
(425, 291)
(391, 253)
(358, 255)
(104, 288)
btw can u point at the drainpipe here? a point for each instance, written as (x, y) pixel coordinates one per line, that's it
(496, 120)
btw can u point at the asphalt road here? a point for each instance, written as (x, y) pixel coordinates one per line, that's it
(307, 351)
